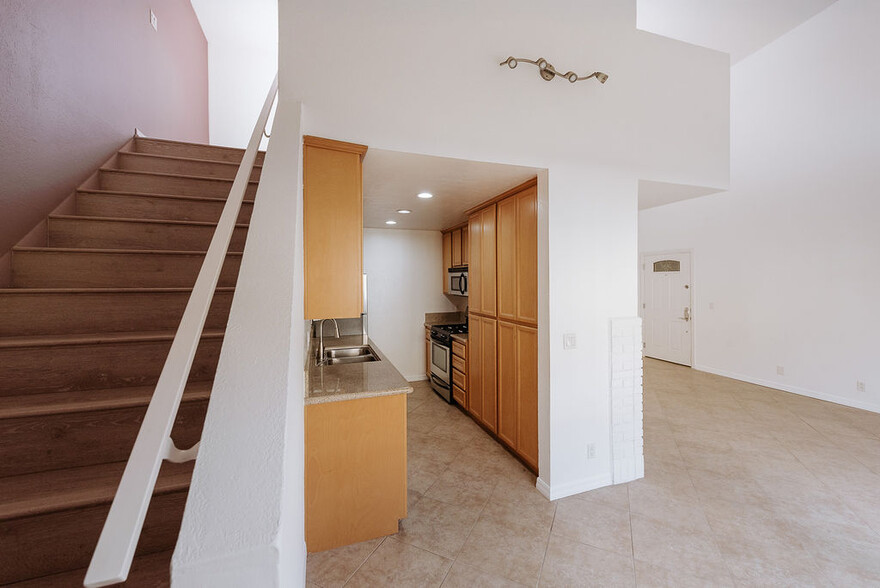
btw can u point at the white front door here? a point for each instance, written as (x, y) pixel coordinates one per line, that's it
(666, 306)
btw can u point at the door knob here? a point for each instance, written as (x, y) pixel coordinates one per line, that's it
(687, 314)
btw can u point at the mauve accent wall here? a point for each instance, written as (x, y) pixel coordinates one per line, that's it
(77, 78)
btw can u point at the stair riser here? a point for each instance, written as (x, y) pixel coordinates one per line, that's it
(53, 442)
(95, 366)
(146, 207)
(151, 184)
(47, 544)
(192, 151)
(68, 232)
(62, 314)
(53, 269)
(192, 167)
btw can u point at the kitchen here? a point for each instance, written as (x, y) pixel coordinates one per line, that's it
(445, 245)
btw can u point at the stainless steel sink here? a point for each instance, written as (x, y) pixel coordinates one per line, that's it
(354, 354)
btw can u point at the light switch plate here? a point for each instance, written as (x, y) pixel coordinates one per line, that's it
(154, 22)
(569, 341)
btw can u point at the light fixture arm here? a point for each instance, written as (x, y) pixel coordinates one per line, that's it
(548, 72)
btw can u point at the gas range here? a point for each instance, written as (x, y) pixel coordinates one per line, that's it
(444, 333)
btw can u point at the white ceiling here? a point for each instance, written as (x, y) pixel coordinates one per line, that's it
(393, 179)
(254, 22)
(737, 27)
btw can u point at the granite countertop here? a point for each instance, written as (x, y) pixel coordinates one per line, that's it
(350, 381)
(461, 338)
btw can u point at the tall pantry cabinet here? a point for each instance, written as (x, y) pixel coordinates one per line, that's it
(503, 317)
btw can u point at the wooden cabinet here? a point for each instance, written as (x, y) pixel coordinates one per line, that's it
(482, 392)
(447, 260)
(518, 257)
(355, 470)
(460, 373)
(456, 248)
(464, 245)
(332, 228)
(482, 266)
(518, 389)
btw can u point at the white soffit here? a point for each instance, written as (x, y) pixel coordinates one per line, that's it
(653, 194)
(392, 181)
(737, 27)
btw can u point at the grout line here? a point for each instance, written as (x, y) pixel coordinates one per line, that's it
(347, 580)
(632, 543)
(547, 547)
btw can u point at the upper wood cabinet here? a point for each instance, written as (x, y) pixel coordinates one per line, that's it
(518, 257)
(447, 260)
(456, 248)
(465, 248)
(332, 228)
(481, 269)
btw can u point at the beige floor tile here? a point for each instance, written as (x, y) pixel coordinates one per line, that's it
(455, 487)
(592, 524)
(438, 527)
(569, 563)
(335, 566)
(690, 551)
(763, 564)
(465, 576)
(506, 549)
(651, 576)
(610, 496)
(397, 564)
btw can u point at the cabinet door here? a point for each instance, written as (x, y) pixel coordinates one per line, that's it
(488, 387)
(527, 394)
(487, 260)
(475, 367)
(508, 409)
(475, 282)
(507, 258)
(527, 256)
(332, 232)
(465, 247)
(447, 260)
(456, 248)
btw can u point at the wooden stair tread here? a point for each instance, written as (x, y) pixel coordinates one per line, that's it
(169, 175)
(179, 158)
(114, 251)
(6, 291)
(71, 488)
(152, 570)
(149, 221)
(30, 405)
(156, 195)
(176, 142)
(97, 338)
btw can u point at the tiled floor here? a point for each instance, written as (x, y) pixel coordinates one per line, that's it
(745, 486)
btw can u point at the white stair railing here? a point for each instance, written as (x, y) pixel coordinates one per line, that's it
(116, 546)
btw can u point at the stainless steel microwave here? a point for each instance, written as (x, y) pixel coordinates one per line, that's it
(458, 281)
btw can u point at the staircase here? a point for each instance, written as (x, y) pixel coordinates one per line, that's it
(84, 333)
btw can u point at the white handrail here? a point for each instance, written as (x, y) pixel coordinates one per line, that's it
(122, 529)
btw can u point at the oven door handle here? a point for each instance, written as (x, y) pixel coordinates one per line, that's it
(438, 381)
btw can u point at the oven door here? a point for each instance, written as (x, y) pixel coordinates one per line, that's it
(441, 361)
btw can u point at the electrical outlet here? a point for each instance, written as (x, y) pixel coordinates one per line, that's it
(569, 341)
(780, 371)
(860, 386)
(591, 451)
(154, 22)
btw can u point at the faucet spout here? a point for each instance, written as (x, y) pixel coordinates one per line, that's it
(321, 338)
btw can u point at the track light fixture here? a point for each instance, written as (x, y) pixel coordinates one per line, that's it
(548, 72)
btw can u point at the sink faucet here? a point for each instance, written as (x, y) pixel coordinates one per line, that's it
(321, 338)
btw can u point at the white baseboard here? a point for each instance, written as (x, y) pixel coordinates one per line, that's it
(419, 378)
(870, 406)
(558, 491)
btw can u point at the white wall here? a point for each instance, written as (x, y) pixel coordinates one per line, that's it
(790, 257)
(424, 78)
(242, 61)
(404, 281)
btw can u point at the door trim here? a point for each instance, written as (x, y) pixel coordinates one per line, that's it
(693, 294)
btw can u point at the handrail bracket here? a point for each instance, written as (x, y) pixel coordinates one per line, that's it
(171, 453)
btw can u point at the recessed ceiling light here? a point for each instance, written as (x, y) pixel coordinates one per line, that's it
(426, 195)
(404, 211)
(390, 222)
